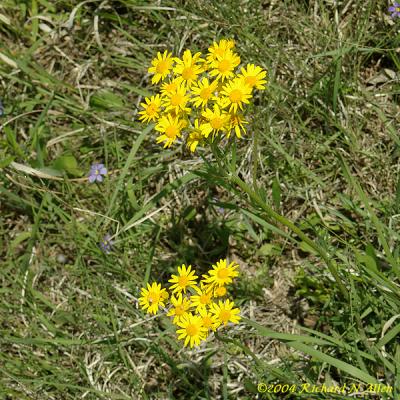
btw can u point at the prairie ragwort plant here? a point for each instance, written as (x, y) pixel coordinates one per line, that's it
(201, 97)
(196, 308)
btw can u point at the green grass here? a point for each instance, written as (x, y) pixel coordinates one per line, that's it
(310, 201)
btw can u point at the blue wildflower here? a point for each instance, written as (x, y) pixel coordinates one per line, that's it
(395, 10)
(96, 173)
(106, 244)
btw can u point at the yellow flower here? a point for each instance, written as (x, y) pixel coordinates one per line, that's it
(185, 278)
(151, 107)
(237, 93)
(217, 119)
(176, 100)
(152, 298)
(181, 307)
(221, 274)
(236, 122)
(253, 76)
(194, 138)
(223, 67)
(170, 127)
(161, 66)
(220, 291)
(193, 331)
(165, 295)
(222, 102)
(199, 132)
(187, 67)
(219, 49)
(202, 299)
(168, 88)
(225, 312)
(209, 320)
(201, 96)
(203, 92)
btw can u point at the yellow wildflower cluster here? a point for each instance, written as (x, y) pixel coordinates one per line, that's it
(196, 308)
(201, 96)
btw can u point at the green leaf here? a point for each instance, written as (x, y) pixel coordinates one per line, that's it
(267, 226)
(276, 193)
(325, 358)
(68, 164)
(19, 239)
(268, 249)
(128, 163)
(34, 20)
(307, 248)
(189, 213)
(394, 332)
(263, 331)
(379, 226)
(5, 162)
(367, 260)
(106, 100)
(12, 141)
(50, 171)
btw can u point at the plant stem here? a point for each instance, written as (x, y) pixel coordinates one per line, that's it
(260, 365)
(284, 221)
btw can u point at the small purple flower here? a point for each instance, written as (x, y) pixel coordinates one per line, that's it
(96, 173)
(106, 244)
(220, 210)
(395, 10)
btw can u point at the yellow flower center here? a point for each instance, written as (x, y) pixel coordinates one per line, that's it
(250, 80)
(221, 291)
(162, 67)
(188, 73)
(152, 109)
(183, 281)
(224, 66)
(219, 52)
(153, 297)
(172, 131)
(204, 298)
(236, 96)
(179, 310)
(235, 120)
(207, 321)
(224, 315)
(223, 273)
(205, 93)
(217, 122)
(170, 87)
(192, 330)
(176, 99)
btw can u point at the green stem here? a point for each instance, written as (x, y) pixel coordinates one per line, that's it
(284, 221)
(245, 349)
(254, 159)
(261, 366)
